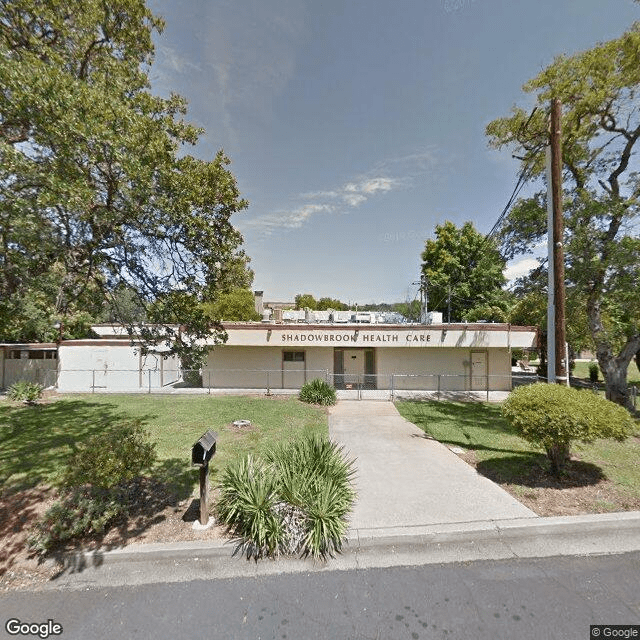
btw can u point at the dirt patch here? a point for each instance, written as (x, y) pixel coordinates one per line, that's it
(159, 516)
(582, 489)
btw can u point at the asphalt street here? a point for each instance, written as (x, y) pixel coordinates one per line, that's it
(548, 598)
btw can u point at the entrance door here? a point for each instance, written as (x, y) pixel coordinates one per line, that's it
(479, 380)
(354, 368)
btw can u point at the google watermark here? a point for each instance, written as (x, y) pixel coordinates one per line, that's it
(15, 627)
(614, 631)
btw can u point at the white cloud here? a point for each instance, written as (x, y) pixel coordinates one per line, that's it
(354, 199)
(319, 194)
(175, 61)
(293, 219)
(520, 268)
(412, 165)
(384, 178)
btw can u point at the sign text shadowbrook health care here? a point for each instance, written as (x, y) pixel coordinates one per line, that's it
(354, 337)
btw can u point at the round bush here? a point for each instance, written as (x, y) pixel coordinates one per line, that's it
(552, 416)
(594, 371)
(119, 454)
(318, 392)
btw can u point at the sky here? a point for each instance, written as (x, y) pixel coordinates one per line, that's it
(354, 127)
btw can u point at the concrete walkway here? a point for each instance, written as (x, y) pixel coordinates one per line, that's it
(405, 479)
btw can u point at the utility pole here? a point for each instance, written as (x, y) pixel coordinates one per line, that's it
(449, 306)
(424, 286)
(556, 272)
(424, 297)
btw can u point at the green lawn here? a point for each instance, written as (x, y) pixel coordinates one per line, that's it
(581, 370)
(36, 441)
(508, 459)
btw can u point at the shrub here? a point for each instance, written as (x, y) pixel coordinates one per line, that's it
(594, 371)
(553, 416)
(296, 500)
(110, 458)
(79, 512)
(95, 489)
(192, 378)
(318, 391)
(24, 391)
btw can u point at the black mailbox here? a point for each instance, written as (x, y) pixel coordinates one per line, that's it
(204, 449)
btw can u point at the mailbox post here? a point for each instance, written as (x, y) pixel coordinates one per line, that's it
(201, 452)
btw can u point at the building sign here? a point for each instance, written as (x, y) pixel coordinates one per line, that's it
(357, 337)
(393, 337)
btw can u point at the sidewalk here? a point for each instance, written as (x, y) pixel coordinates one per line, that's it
(405, 479)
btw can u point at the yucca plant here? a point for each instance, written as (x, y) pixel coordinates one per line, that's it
(25, 391)
(296, 501)
(329, 504)
(248, 496)
(318, 391)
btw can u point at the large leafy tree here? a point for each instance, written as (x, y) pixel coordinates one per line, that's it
(233, 306)
(306, 301)
(463, 268)
(324, 304)
(97, 191)
(600, 131)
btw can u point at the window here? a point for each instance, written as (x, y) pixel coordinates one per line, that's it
(14, 354)
(293, 356)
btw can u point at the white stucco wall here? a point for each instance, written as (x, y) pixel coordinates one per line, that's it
(452, 365)
(112, 367)
(247, 367)
(105, 367)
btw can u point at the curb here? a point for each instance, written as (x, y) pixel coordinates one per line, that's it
(560, 535)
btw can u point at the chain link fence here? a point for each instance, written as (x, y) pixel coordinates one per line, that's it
(275, 381)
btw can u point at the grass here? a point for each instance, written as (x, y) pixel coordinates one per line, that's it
(581, 370)
(506, 458)
(36, 441)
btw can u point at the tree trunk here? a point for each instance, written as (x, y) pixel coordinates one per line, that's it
(615, 375)
(558, 455)
(614, 368)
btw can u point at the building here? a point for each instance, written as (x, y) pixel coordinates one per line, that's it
(113, 363)
(372, 356)
(361, 353)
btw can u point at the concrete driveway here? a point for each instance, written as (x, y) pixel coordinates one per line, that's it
(405, 479)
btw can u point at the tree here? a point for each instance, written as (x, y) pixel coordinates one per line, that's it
(123, 305)
(409, 309)
(600, 130)
(464, 268)
(530, 308)
(236, 305)
(306, 301)
(324, 304)
(95, 180)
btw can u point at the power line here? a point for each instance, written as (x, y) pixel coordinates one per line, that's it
(524, 176)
